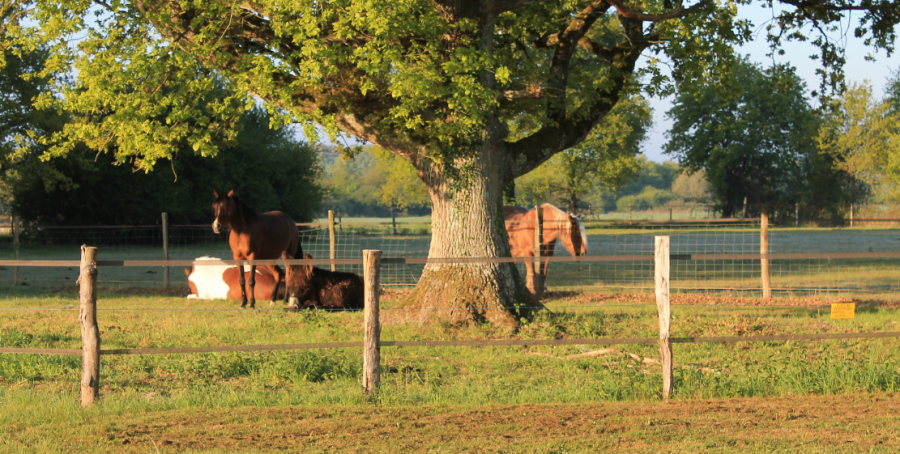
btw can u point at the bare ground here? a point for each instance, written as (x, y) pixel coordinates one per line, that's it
(842, 423)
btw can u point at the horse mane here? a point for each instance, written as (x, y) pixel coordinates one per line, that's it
(244, 211)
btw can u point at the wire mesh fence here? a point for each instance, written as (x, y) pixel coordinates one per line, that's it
(870, 277)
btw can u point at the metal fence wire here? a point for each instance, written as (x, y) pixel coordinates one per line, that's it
(871, 277)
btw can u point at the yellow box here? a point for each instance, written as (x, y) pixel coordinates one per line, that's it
(843, 310)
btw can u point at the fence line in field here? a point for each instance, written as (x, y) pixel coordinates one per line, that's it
(461, 343)
(91, 351)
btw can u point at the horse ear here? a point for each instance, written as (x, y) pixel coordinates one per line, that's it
(231, 193)
(308, 256)
(187, 272)
(216, 193)
(285, 255)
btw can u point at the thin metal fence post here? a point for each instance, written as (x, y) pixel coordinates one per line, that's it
(15, 234)
(165, 240)
(764, 249)
(331, 239)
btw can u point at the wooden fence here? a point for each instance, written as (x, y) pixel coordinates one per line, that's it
(91, 350)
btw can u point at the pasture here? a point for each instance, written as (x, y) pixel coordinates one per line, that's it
(518, 398)
(795, 396)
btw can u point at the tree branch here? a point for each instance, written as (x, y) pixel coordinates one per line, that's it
(679, 11)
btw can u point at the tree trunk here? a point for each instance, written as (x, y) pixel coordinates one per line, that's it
(467, 221)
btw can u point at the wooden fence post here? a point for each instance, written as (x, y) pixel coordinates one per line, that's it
(670, 211)
(15, 234)
(165, 239)
(797, 214)
(851, 215)
(764, 249)
(665, 313)
(372, 328)
(331, 238)
(538, 242)
(90, 333)
(630, 209)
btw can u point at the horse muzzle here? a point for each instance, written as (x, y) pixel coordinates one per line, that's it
(293, 303)
(215, 226)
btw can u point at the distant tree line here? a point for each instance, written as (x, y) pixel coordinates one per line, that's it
(269, 168)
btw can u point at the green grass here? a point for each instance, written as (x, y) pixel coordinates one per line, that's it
(48, 385)
(227, 401)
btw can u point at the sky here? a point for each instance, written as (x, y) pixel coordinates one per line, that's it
(857, 69)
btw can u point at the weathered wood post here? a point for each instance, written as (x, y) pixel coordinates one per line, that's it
(165, 239)
(665, 313)
(797, 214)
(670, 211)
(538, 280)
(331, 239)
(744, 210)
(372, 328)
(90, 333)
(764, 249)
(851, 215)
(13, 224)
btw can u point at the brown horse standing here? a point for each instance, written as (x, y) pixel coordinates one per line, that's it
(557, 225)
(255, 236)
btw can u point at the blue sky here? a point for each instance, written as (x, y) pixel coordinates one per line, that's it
(857, 69)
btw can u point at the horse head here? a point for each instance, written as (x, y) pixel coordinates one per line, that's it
(223, 209)
(577, 235)
(297, 281)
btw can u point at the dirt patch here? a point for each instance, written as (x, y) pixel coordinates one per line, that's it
(859, 423)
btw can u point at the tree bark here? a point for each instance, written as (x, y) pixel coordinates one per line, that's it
(467, 221)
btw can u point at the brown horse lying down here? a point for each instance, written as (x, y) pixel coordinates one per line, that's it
(309, 287)
(222, 282)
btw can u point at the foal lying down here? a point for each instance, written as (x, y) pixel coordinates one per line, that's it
(309, 287)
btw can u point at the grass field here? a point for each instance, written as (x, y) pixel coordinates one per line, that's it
(516, 398)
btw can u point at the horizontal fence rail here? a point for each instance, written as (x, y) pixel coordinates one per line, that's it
(423, 260)
(461, 343)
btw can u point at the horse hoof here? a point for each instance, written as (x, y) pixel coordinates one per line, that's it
(243, 306)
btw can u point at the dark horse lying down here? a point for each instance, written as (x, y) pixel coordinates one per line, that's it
(255, 236)
(308, 287)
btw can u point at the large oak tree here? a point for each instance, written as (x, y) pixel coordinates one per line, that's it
(439, 83)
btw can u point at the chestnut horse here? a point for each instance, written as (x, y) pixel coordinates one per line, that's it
(255, 236)
(209, 282)
(557, 225)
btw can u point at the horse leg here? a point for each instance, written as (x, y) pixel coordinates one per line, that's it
(279, 275)
(241, 283)
(252, 286)
(529, 275)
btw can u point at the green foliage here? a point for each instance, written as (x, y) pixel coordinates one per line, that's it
(371, 183)
(692, 187)
(268, 168)
(607, 159)
(647, 199)
(757, 143)
(863, 136)
(400, 186)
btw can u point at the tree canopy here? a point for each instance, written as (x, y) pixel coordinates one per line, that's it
(472, 93)
(862, 135)
(757, 143)
(607, 158)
